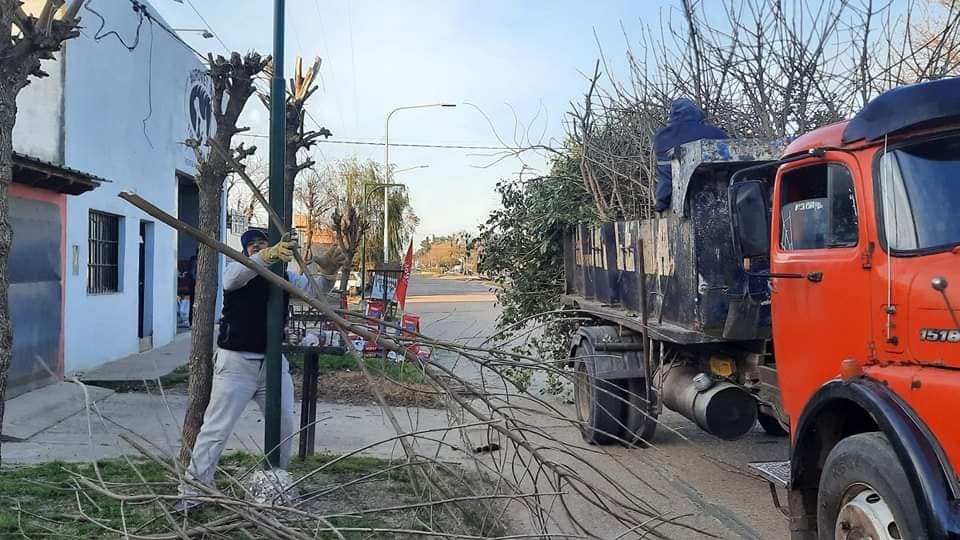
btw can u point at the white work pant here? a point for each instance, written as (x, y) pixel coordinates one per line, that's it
(236, 380)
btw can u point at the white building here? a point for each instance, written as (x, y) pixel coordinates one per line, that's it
(118, 111)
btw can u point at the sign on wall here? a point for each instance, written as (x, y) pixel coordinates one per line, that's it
(199, 94)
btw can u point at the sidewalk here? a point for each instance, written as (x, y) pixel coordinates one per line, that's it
(149, 365)
(82, 422)
(85, 437)
(35, 412)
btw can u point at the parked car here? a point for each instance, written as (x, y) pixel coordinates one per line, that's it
(353, 284)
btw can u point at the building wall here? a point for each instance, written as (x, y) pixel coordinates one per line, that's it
(41, 102)
(125, 115)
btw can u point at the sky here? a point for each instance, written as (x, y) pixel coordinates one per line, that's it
(511, 67)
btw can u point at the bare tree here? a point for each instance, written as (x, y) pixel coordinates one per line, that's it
(297, 136)
(314, 199)
(233, 80)
(25, 41)
(346, 184)
(765, 69)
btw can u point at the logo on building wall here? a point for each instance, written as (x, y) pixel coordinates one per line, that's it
(200, 106)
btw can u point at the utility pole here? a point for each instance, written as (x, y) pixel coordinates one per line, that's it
(275, 304)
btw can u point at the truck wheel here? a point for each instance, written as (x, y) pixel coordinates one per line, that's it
(599, 402)
(864, 493)
(771, 425)
(640, 414)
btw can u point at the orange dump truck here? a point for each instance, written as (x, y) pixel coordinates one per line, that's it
(811, 285)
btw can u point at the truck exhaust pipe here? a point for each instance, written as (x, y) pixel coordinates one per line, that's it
(719, 408)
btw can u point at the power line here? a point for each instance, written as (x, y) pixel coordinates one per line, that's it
(215, 34)
(406, 145)
(328, 51)
(415, 145)
(138, 8)
(353, 68)
(153, 20)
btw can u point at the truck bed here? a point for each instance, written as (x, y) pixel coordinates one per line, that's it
(679, 265)
(658, 329)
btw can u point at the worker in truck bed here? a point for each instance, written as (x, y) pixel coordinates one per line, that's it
(686, 124)
(238, 372)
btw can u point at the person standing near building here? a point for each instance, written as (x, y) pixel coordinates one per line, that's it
(239, 373)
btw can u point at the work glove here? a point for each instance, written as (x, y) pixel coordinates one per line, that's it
(282, 251)
(329, 261)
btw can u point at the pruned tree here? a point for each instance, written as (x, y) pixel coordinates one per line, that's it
(25, 41)
(314, 199)
(297, 136)
(346, 183)
(233, 84)
(348, 227)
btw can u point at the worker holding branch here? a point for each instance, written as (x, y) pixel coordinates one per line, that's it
(239, 372)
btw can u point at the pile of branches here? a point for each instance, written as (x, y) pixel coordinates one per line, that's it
(758, 68)
(505, 436)
(510, 440)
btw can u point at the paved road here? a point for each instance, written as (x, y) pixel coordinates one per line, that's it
(421, 285)
(687, 472)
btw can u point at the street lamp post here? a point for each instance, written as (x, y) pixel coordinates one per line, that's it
(363, 238)
(386, 160)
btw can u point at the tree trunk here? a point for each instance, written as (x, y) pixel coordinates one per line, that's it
(204, 316)
(345, 271)
(289, 180)
(8, 116)
(308, 241)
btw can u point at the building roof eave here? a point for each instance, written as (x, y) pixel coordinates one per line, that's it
(35, 172)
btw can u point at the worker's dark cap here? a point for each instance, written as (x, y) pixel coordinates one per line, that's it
(251, 235)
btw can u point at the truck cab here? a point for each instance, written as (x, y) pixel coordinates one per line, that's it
(860, 232)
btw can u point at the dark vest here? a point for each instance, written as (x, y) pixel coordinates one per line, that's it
(243, 326)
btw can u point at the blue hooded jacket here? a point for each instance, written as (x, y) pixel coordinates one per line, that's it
(686, 124)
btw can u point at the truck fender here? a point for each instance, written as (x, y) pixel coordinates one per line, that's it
(932, 480)
(609, 365)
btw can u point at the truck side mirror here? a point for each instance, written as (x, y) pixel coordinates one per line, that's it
(750, 219)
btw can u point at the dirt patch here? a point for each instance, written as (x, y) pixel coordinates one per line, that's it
(338, 383)
(353, 388)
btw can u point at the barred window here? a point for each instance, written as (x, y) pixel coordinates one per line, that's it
(103, 269)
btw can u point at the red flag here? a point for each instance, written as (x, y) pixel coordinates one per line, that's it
(400, 294)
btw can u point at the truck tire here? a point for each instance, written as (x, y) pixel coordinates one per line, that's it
(640, 412)
(864, 493)
(771, 425)
(599, 402)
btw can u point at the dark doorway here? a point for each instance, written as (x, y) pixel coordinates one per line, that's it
(140, 280)
(188, 211)
(145, 287)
